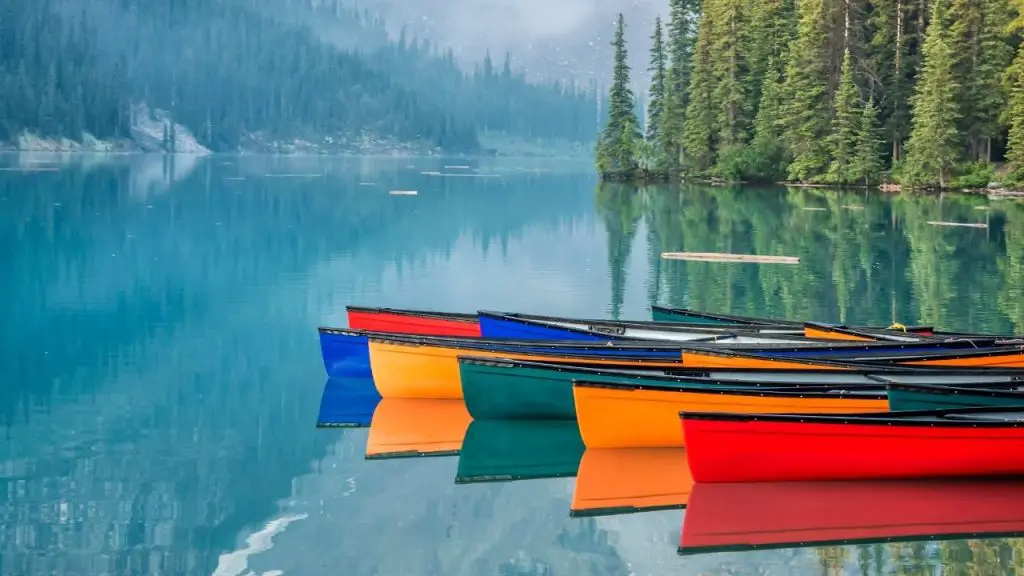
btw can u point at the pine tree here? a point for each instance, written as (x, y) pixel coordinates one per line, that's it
(699, 126)
(935, 144)
(867, 157)
(846, 127)
(805, 94)
(657, 91)
(728, 67)
(616, 153)
(766, 149)
(1014, 114)
(978, 34)
(684, 15)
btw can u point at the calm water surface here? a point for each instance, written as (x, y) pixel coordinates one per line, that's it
(162, 378)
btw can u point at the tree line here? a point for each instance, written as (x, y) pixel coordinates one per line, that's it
(927, 93)
(226, 70)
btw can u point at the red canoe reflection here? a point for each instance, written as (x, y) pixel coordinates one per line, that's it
(756, 515)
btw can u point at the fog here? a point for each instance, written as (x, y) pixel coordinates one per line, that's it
(547, 38)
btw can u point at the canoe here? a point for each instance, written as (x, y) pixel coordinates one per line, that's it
(915, 397)
(1003, 357)
(631, 480)
(420, 322)
(347, 403)
(405, 428)
(832, 332)
(666, 314)
(632, 416)
(685, 315)
(346, 353)
(534, 327)
(501, 388)
(427, 367)
(975, 442)
(770, 515)
(497, 451)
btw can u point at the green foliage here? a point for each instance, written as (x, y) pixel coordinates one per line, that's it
(699, 127)
(805, 95)
(934, 146)
(867, 159)
(1015, 112)
(974, 175)
(846, 128)
(682, 34)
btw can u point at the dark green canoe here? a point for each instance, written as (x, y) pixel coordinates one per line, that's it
(687, 316)
(502, 451)
(501, 389)
(904, 397)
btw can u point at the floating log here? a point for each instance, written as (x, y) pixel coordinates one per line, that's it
(404, 192)
(814, 209)
(960, 224)
(720, 257)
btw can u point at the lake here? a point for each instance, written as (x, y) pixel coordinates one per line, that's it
(162, 377)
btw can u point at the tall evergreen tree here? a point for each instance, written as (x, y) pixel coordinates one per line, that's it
(805, 94)
(1014, 81)
(616, 149)
(767, 153)
(729, 72)
(846, 127)
(682, 34)
(656, 104)
(935, 144)
(867, 157)
(697, 141)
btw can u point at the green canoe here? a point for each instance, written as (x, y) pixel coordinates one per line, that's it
(687, 316)
(903, 397)
(501, 451)
(501, 389)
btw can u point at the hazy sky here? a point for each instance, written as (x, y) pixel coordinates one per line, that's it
(546, 36)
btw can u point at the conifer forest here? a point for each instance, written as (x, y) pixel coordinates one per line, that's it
(226, 69)
(923, 93)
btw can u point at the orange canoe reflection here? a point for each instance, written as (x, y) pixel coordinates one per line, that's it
(759, 515)
(626, 480)
(405, 427)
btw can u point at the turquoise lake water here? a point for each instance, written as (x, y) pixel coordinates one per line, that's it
(162, 376)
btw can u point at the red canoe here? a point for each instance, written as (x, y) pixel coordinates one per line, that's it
(963, 442)
(415, 322)
(759, 515)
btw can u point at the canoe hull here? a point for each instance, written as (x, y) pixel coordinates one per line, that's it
(347, 403)
(917, 397)
(408, 370)
(612, 416)
(413, 322)
(345, 354)
(729, 448)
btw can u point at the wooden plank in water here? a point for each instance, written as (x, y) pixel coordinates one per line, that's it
(404, 192)
(961, 224)
(720, 257)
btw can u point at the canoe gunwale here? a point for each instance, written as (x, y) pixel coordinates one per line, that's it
(453, 316)
(621, 510)
(877, 334)
(875, 419)
(811, 391)
(990, 351)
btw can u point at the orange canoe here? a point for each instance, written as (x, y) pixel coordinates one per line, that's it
(630, 480)
(634, 416)
(404, 427)
(411, 369)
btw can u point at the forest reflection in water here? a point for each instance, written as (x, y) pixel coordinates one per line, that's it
(865, 257)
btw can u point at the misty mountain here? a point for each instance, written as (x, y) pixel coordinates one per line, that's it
(236, 71)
